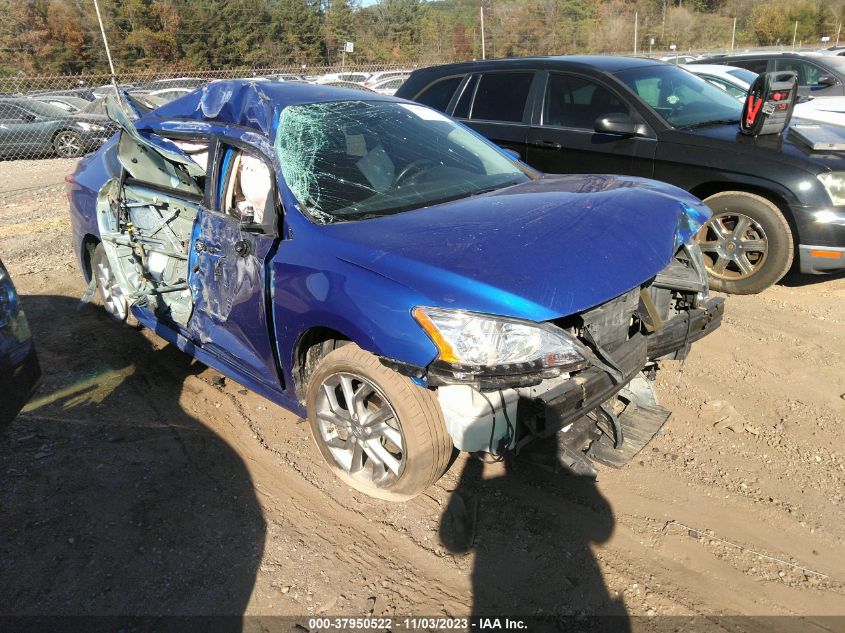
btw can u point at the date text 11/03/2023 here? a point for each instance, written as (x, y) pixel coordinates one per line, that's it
(422, 623)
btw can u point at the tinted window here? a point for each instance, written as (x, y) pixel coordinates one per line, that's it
(45, 109)
(808, 74)
(438, 94)
(462, 107)
(754, 65)
(9, 111)
(501, 96)
(577, 103)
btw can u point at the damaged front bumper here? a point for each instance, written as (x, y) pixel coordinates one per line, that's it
(569, 400)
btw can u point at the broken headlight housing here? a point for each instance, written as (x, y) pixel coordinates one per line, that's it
(497, 351)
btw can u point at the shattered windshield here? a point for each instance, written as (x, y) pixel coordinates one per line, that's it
(353, 160)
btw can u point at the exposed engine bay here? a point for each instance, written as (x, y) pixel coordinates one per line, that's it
(607, 411)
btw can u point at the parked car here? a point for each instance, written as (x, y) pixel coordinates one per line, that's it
(377, 267)
(174, 82)
(679, 59)
(347, 84)
(68, 103)
(732, 79)
(818, 75)
(772, 196)
(108, 89)
(81, 92)
(388, 86)
(383, 75)
(347, 77)
(19, 368)
(737, 81)
(30, 128)
(286, 77)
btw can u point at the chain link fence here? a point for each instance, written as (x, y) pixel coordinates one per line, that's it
(64, 115)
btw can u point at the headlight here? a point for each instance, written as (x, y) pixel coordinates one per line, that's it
(827, 216)
(503, 345)
(834, 184)
(90, 127)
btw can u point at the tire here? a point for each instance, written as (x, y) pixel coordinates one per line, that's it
(109, 294)
(409, 415)
(69, 144)
(747, 244)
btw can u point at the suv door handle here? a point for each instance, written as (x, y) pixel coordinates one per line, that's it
(545, 144)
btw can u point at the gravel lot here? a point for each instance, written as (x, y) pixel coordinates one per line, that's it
(137, 483)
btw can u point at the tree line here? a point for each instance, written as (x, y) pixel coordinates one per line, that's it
(40, 37)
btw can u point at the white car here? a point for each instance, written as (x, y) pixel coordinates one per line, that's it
(679, 59)
(348, 77)
(387, 86)
(383, 75)
(736, 82)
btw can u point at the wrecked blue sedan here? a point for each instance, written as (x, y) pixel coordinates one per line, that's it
(380, 269)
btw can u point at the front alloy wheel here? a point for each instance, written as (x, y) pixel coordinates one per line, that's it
(378, 431)
(68, 144)
(360, 429)
(747, 245)
(735, 246)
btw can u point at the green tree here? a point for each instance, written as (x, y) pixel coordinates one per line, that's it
(225, 33)
(338, 27)
(294, 32)
(769, 24)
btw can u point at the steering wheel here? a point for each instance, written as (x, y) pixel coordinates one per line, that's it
(412, 169)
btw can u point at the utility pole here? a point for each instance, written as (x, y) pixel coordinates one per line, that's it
(733, 36)
(838, 31)
(636, 26)
(794, 34)
(483, 49)
(105, 41)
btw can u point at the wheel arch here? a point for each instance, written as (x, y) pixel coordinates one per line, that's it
(311, 345)
(87, 247)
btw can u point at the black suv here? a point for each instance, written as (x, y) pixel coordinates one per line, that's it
(818, 75)
(772, 197)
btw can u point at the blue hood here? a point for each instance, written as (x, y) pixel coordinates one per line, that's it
(539, 250)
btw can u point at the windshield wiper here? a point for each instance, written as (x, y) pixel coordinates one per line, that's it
(693, 126)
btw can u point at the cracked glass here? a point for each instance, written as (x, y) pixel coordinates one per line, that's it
(354, 160)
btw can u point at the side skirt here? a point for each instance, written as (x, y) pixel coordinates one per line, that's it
(189, 347)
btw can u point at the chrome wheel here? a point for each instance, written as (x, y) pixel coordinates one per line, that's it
(68, 145)
(360, 429)
(734, 245)
(114, 300)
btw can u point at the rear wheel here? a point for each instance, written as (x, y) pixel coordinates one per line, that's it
(747, 245)
(379, 432)
(112, 297)
(68, 144)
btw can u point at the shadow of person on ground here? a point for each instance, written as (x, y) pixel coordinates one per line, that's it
(117, 501)
(531, 532)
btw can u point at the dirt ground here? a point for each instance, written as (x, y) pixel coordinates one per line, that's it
(136, 483)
